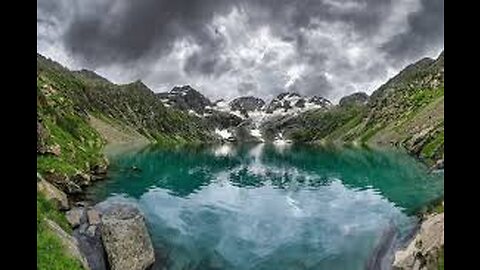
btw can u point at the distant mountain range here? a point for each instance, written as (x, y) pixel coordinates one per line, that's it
(407, 110)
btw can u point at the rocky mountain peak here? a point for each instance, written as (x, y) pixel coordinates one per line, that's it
(248, 104)
(321, 101)
(288, 100)
(186, 98)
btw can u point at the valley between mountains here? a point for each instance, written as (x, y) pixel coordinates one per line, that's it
(79, 113)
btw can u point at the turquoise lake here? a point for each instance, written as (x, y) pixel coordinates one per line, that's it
(270, 207)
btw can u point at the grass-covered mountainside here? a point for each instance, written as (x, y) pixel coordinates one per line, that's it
(78, 112)
(70, 104)
(406, 111)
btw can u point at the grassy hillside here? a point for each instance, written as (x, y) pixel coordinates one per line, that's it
(406, 111)
(67, 101)
(72, 107)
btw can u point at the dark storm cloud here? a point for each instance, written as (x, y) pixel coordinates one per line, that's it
(122, 31)
(426, 30)
(247, 88)
(339, 46)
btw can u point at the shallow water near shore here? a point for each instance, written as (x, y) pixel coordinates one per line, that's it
(270, 207)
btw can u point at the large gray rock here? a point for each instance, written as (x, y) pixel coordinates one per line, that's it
(126, 239)
(423, 252)
(53, 194)
(93, 217)
(76, 216)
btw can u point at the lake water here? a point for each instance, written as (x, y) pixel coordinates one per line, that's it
(270, 207)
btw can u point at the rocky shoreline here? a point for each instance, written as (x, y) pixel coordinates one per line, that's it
(425, 250)
(108, 237)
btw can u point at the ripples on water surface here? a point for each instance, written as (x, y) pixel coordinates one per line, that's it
(270, 207)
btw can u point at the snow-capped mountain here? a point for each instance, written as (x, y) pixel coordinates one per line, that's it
(243, 118)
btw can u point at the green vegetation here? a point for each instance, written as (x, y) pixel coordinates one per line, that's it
(79, 143)
(50, 251)
(321, 123)
(434, 147)
(68, 144)
(46, 209)
(441, 260)
(66, 99)
(407, 111)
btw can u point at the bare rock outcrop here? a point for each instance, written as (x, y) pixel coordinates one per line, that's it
(126, 239)
(423, 252)
(51, 193)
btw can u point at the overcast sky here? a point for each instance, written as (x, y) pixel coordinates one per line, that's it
(228, 48)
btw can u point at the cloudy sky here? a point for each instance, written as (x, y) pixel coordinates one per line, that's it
(245, 47)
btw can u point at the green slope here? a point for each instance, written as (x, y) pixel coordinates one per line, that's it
(406, 111)
(69, 145)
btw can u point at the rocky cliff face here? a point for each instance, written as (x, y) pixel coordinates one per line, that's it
(246, 104)
(186, 98)
(287, 101)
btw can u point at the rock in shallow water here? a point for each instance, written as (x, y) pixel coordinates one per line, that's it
(90, 244)
(76, 216)
(126, 239)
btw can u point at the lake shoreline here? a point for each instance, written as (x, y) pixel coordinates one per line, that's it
(399, 247)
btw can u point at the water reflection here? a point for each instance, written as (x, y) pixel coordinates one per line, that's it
(261, 207)
(397, 176)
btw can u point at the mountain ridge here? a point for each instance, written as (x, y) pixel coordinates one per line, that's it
(357, 118)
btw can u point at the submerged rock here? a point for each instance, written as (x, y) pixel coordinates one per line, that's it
(90, 244)
(125, 238)
(423, 252)
(87, 223)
